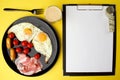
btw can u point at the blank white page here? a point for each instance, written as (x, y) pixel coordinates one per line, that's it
(89, 44)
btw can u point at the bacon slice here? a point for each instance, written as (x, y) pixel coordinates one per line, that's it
(27, 65)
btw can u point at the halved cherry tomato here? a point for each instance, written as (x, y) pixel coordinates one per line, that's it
(26, 50)
(15, 42)
(24, 43)
(19, 50)
(11, 35)
(37, 55)
(29, 45)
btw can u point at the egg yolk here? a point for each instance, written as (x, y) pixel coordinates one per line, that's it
(42, 37)
(28, 31)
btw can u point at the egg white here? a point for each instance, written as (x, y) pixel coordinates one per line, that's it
(44, 48)
(18, 30)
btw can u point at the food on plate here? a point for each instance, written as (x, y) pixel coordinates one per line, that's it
(26, 37)
(8, 43)
(27, 65)
(19, 49)
(24, 43)
(37, 55)
(15, 42)
(12, 54)
(11, 35)
(42, 44)
(27, 32)
(30, 45)
(53, 14)
(26, 50)
(23, 31)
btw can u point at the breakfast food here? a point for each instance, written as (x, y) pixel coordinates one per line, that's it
(23, 31)
(37, 55)
(42, 44)
(27, 65)
(15, 42)
(21, 40)
(12, 54)
(53, 14)
(8, 43)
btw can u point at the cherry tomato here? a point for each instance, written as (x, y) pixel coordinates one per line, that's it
(37, 55)
(11, 35)
(19, 50)
(24, 43)
(26, 50)
(29, 45)
(15, 42)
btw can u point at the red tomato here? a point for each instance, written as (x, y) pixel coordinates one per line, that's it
(26, 50)
(29, 45)
(37, 55)
(11, 35)
(19, 50)
(15, 42)
(24, 43)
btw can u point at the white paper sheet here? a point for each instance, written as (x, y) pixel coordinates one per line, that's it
(89, 44)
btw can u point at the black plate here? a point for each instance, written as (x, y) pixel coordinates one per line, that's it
(46, 28)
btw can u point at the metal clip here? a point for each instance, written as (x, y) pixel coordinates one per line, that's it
(110, 14)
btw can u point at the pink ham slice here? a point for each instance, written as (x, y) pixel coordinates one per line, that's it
(27, 65)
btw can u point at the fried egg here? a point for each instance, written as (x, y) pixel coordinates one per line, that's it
(42, 44)
(24, 31)
(40, 39)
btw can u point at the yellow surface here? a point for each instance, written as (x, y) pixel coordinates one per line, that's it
(56, 73)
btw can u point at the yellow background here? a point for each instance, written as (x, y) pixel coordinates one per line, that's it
(56, 73)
